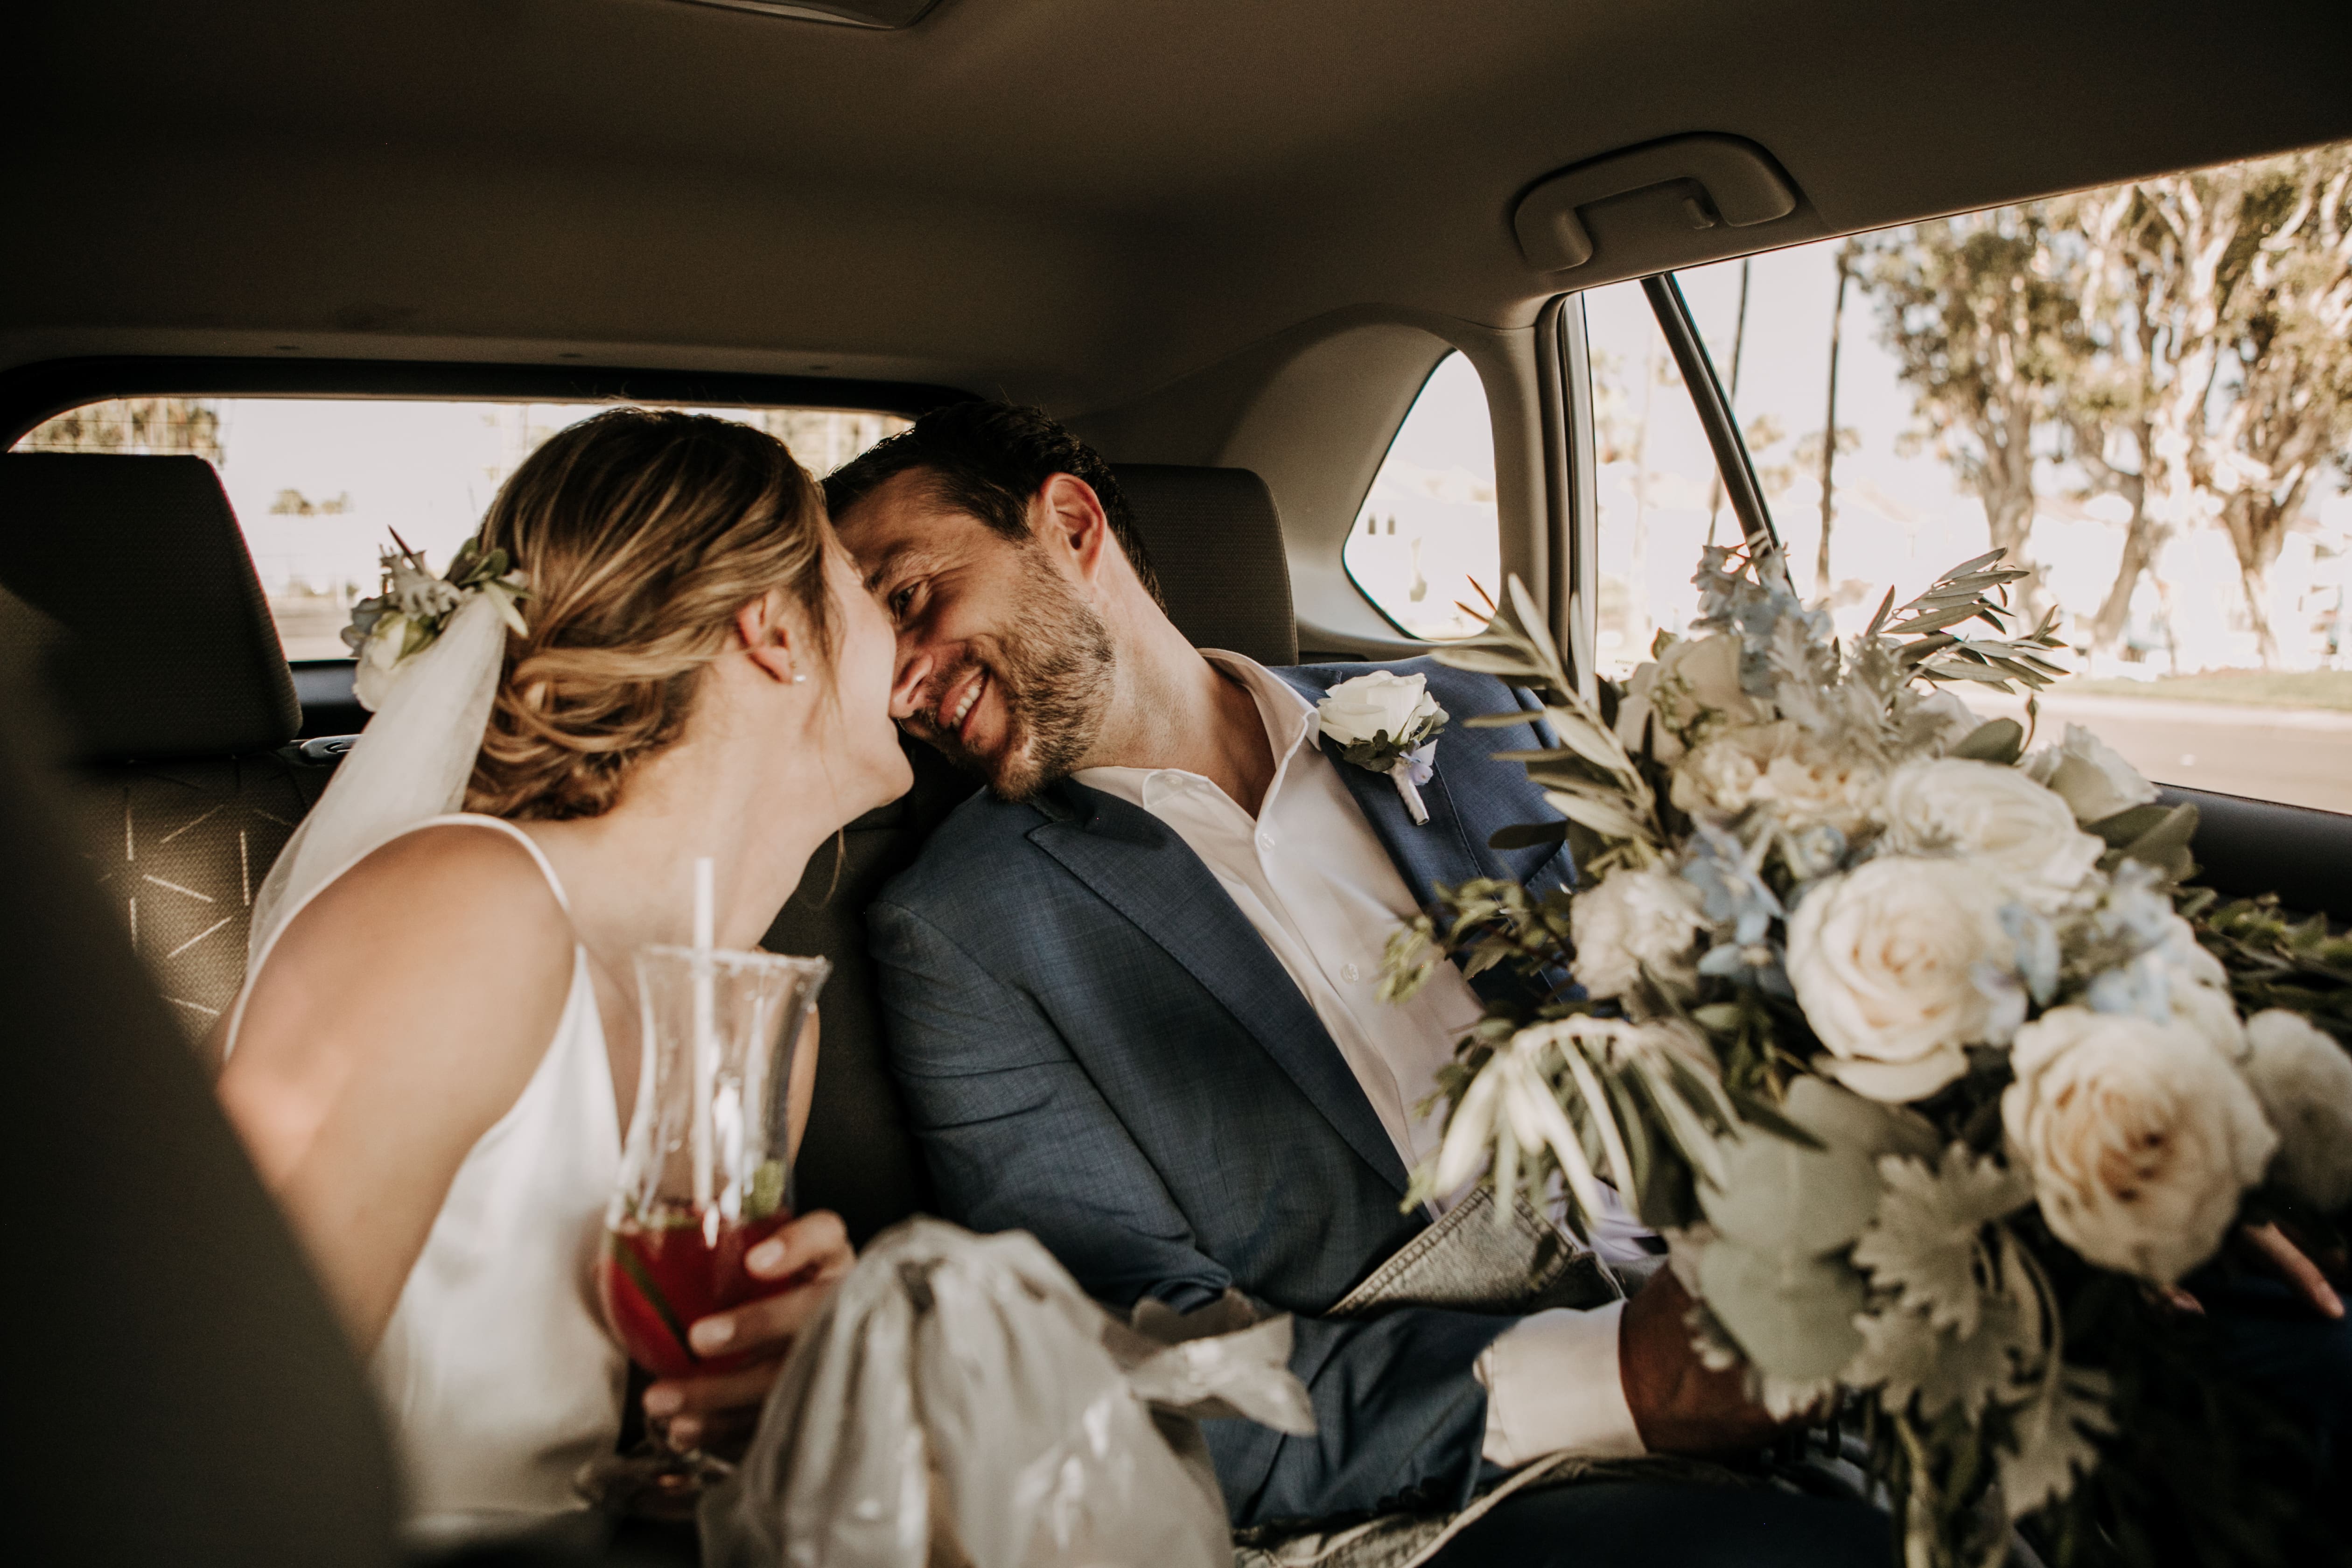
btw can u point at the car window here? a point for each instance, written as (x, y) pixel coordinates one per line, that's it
(2145, 392)
(321, 484)
(1425, 547)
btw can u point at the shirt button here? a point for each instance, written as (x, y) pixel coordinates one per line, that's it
(1347, 971)
(1266, 840)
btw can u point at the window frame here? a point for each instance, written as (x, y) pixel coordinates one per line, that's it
(32, 393)
(1572, 498)
(1421, 643)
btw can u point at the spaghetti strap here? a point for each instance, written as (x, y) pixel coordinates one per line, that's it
(476, 819)
(452, 819)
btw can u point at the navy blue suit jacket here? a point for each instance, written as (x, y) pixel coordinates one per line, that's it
(1097, 1046)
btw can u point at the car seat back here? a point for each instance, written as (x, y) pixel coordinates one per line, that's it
(182, 1392)
(164, 670)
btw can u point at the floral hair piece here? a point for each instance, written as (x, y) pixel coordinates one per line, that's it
(415, 607)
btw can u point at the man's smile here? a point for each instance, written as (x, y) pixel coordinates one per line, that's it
(955, 716)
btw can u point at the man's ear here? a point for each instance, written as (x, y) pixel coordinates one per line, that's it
(1070, 518)
(767, 635)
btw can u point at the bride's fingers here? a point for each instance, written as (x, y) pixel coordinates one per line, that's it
(813, 1241)
(685, 1398)
(757, 1324)
(2291, 1264)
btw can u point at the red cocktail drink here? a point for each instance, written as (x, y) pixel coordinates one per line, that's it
(661, 1274)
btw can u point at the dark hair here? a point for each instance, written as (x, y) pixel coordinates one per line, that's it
(990, 460)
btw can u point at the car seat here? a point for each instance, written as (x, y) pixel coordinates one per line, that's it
(181, 1390)
(164, 675)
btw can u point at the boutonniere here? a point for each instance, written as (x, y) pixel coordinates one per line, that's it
(1389, 724)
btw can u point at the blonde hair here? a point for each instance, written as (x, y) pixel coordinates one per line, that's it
(642, 532)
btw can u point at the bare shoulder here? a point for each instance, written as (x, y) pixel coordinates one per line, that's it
(449, 938)
(447, 889)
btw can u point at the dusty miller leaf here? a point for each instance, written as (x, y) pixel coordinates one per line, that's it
(1926, 1243)
(2053, 1435)
(1905, 1357)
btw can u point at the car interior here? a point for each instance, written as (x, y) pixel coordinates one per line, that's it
(1227, 243)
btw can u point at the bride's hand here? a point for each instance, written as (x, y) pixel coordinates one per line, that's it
(813, 1252)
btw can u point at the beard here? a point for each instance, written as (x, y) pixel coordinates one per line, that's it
(1052, 674)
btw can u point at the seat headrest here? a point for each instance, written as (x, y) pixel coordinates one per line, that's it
(166, 648)
(1215, 539)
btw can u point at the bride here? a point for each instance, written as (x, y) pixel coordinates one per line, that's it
(437, 1048)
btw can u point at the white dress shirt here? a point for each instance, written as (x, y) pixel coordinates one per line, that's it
(1315, 881)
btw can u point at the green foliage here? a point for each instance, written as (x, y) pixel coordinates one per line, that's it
(2202, 1470)
(1967, 593)
(2277, 961)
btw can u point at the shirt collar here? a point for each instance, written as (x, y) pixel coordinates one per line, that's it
(1288, 717)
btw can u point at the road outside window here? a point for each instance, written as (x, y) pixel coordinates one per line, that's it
(321, 484)
(2165, 441)
(1425, 547)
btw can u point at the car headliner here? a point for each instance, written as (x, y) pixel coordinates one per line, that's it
(1067, 201)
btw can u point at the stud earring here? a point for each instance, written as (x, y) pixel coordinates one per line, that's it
(800, 678)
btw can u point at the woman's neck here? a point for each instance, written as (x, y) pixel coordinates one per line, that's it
(630, 872)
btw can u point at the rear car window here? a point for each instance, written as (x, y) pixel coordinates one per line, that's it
(319, 485)
(2143, 390)
(1426, 549)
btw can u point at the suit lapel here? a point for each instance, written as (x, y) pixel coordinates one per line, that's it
(1440, 850)
(1140, 867)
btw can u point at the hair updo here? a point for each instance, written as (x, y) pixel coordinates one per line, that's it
(642, 531)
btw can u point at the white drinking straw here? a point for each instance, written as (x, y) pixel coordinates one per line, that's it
(706, 1041)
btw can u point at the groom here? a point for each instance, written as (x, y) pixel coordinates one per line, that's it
(1130, 996)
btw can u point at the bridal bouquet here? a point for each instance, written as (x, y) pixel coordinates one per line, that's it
(1911, 1038)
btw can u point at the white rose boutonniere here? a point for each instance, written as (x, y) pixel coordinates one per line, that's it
(1387, 723)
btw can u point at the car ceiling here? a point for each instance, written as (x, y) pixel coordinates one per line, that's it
(1072, 202)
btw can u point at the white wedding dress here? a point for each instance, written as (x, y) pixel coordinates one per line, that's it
(496, 1370)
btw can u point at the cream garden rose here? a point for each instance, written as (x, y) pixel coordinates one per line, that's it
(2303, 1079)
(1365, 707)
(1691, 688)
(2089, 775)
(1635, 919)
(1884, 959)
(1993, 814)
(1780, 767)
(2141, 1137)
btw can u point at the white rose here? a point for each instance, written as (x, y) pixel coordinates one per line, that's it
(376, 671)
(2090, 776)
(2303, 1079)
(1993, 814)
(1691, 688)
(1780, 767)
(1367, 706)
(2212, 1015)
(2141, 1136)
(1883, 961)
(2188, 959)
(1632, 920)
(1954, 719)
